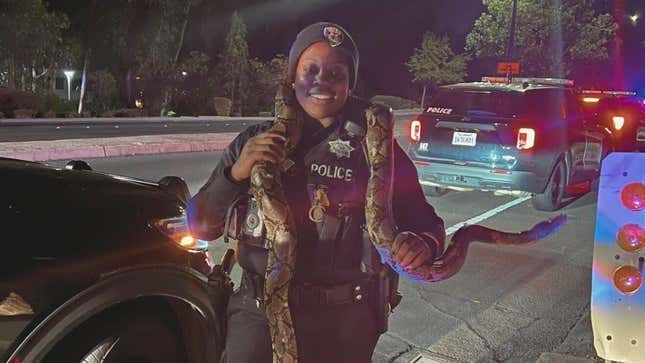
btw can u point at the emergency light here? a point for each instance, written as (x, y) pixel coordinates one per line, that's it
(617, 296)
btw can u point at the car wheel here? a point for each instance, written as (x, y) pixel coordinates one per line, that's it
(433, 191)
(551, 199)
(122, 338)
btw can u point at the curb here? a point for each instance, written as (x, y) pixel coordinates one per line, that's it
(116, 146)
(123, 120)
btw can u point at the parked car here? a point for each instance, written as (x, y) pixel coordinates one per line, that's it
(101, 268)
(622, 112)
(526, 137)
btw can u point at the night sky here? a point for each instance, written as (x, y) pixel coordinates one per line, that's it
(386, 32)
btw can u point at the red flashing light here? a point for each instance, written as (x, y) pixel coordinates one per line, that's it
(422, 163)
(618, 122)
(525, 138)
(415, 131)
(631, 237)
(628, 279)
(633, 196)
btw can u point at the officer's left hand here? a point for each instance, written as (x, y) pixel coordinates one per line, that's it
(411, 251)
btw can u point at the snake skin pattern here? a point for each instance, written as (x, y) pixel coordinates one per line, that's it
(382, 228)
(266, 185)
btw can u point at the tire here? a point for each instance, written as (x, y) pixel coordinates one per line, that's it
(433, 191)
(126, 337)
(551, 199)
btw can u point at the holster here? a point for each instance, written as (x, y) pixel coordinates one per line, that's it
(386, 296)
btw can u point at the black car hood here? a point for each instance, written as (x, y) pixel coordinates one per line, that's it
(51, 212)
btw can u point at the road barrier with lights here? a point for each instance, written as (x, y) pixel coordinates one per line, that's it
(617, 296)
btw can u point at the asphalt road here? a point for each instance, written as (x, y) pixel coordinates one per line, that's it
(507, 304)
(62, 129)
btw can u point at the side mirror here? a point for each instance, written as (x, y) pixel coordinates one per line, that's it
(177, 186)
(77, 165)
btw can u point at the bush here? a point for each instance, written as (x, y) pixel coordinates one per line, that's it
(1, 114)
(396, 103)
(102, 93)
(49, 114)
(60, 107)
(16, 100)
(24, 113)
(222, 106)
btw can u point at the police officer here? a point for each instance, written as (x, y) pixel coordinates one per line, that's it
(341, 293)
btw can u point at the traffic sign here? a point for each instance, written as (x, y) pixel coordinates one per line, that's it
(508, 67)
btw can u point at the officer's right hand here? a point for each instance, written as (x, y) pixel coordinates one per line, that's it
(268, 146)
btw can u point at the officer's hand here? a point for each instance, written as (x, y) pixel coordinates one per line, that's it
(267, 146)
(411, 251)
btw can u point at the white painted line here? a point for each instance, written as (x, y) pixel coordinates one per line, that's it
(486, 215)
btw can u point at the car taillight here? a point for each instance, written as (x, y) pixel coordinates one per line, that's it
(591, 99)
(525, 138)
(618, 122)
(177, 230)
(415, 131)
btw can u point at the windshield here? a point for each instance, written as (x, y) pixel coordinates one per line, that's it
(475, 102)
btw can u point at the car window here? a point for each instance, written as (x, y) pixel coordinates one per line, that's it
(546, 104)
(463, 102)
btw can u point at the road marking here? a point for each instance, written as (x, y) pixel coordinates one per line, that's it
(486, 215)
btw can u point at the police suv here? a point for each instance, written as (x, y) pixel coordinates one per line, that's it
(101, 268)
(622, 112)
(524, 137)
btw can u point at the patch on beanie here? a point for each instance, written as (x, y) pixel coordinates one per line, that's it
(333, 35)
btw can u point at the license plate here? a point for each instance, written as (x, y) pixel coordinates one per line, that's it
(464, 138)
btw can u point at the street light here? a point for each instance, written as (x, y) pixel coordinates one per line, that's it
(69, 75)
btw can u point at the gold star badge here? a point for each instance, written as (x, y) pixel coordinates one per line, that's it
(333, 35)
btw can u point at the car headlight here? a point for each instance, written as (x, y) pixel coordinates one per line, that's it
(176, 228)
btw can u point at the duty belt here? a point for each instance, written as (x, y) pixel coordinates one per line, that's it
(311, 295)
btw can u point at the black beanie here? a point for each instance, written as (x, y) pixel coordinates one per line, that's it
(335, 36)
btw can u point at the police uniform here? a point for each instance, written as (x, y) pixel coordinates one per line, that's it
(341, 293)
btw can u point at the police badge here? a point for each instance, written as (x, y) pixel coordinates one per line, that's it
(340, 148)
(333, 35)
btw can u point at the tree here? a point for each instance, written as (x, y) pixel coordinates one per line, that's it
(235, 63)
(552, 37)
(435, 63)
(264, 80)
(31, 43)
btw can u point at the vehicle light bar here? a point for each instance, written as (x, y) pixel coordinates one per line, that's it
(591, 99)
(608, 92)
(531, 80)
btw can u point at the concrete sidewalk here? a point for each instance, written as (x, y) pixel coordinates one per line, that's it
(114, 146)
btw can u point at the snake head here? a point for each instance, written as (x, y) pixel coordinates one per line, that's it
(547, 228)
